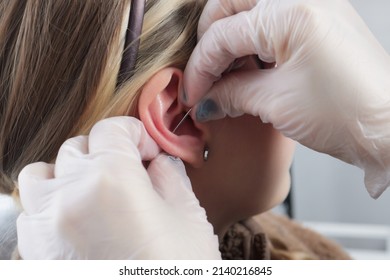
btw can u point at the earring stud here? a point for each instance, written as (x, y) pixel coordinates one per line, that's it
(206, 153)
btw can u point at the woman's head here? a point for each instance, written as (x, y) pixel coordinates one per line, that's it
(59, 64)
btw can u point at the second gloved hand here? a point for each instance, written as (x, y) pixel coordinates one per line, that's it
(330, 90)
(99, 201)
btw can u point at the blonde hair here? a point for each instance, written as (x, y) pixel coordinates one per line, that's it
(59, 62)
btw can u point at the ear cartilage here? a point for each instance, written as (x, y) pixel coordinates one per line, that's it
(182, 120)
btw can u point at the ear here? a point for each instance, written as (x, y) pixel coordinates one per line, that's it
(160, 112)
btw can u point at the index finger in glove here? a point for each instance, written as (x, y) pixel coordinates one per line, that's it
(225, 40)
(217, 9)
(122, 135)
(257, 93)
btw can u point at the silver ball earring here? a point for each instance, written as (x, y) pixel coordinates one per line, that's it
(206, 153)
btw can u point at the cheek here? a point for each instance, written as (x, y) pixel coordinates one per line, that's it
(271, 174)
(252, 162)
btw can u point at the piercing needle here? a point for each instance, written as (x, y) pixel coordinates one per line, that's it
(182, 120)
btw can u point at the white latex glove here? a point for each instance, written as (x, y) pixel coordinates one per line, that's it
(99, 202)
(330, 90)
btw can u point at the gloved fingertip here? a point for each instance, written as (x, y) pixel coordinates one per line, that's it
(376, 181)
(168, 172)
(36, 171)
(171, 162)
(207, 110)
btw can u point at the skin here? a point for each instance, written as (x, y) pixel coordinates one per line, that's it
(247, 172)
(248, 169)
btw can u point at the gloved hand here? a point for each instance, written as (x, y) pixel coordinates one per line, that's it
(330, 90)
(99, 202)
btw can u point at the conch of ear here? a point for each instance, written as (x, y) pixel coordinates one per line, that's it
(160, 111)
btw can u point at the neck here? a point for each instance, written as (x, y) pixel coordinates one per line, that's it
(221, 220)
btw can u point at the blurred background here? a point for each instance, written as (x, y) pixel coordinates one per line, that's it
(329, 195)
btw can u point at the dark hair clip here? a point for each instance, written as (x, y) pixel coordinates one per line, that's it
(132, 41)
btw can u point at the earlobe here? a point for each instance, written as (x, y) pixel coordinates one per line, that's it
(160, 112)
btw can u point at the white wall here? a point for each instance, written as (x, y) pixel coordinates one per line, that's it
(8, 214)
(329, 190)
